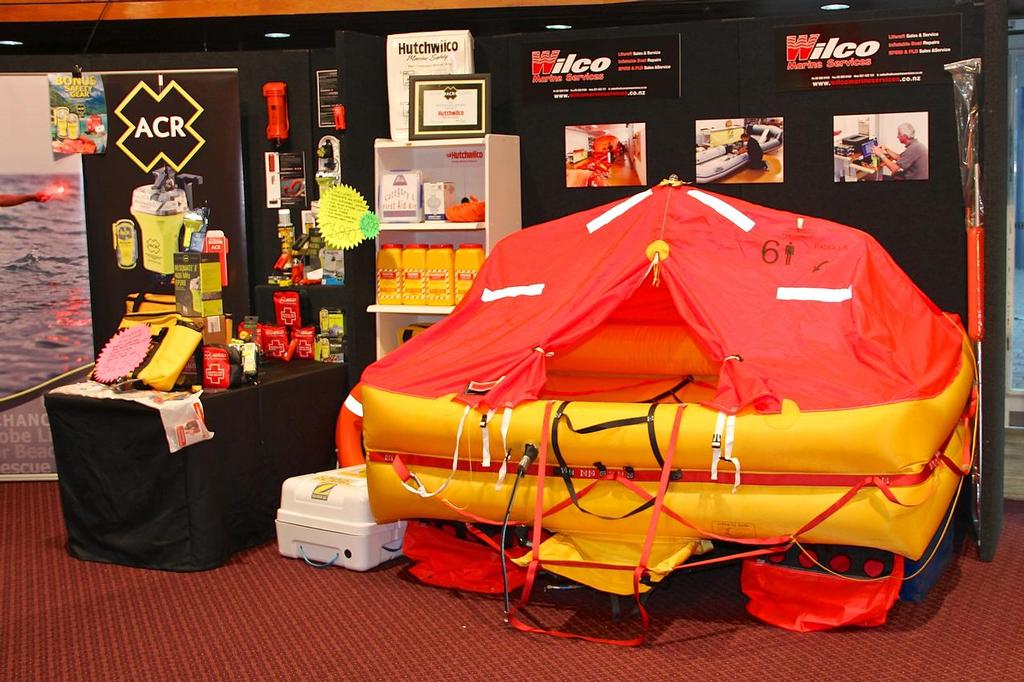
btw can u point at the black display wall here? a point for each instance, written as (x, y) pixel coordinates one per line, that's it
(728, 70)
(362, 88)
(293, 67)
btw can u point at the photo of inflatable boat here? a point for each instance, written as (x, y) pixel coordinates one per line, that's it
(673, 370)
(715, 162)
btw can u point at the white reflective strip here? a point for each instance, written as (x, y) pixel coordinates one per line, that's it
(741, 220)
(506, 421)
(422, 491)
(512, 292)
(485, 436)
(814, 294)
(354, 406)
(615, 211)
(716, 445)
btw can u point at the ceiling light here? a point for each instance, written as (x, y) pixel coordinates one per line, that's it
(11, 43)
(558, 27)
(832, 6)
(277, 34)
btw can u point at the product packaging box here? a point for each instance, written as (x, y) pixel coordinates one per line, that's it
(197, 288)
(332, 266)
(437, 197)
(398, 197)
(422, 54)
(216, 329)
(325, 519)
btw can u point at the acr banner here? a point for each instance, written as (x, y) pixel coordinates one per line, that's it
(904, 51)
(627, 67)
(174, 155)
(44, 277)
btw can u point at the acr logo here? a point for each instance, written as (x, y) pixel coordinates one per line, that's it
(546, 63)
(159, 126)
(804, 47)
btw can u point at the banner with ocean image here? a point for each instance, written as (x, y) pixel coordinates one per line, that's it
(44, 275)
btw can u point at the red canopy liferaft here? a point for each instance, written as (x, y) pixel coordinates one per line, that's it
(789, 306)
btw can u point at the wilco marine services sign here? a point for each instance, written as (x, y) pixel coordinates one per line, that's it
(575, 69)
(884, 52)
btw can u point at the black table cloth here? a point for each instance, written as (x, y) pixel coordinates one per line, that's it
(127, 500)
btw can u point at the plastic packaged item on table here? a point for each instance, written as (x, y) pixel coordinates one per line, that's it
(332, 321)
(287, 309)
(468, 261)
(440, 272)
(305, 340)
(325, 520)
(329, 348)
(250, 361)
(222, 366)
(389, 274)
(275, 341)
(414, 262)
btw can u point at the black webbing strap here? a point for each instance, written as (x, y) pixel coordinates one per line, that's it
(564, 469)
(672, 391)
(653, 437)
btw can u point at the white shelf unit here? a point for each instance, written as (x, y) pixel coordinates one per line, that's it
(485, 167)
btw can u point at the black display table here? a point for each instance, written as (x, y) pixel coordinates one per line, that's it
(127, 500)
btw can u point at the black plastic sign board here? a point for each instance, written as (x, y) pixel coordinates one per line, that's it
(903, 51)
(579, 69)
(174, 144)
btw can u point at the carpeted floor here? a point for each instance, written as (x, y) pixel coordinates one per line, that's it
(265, 617)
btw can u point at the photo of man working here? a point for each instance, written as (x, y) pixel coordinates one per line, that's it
(912, 162)
(864, 147)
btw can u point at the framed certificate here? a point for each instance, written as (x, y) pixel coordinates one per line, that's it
(449, 106)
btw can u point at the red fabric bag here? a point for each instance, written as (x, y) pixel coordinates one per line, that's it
(809, 599)
(444, 560)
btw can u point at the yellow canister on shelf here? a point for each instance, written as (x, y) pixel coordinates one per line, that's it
(468, 260)
(414, 265)
(441, 275)
(389, 274)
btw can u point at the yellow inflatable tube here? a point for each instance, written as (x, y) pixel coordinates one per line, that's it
(794, 466)
(713, 509)
(885, 439)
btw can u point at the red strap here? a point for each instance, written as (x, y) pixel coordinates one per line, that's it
(567, 502)
(683, 476)
(652, 528)
(538, 511)
(779, 539)
(531, 571)
(403, 471)
(483, 537)
(734, 557)
(477, 518)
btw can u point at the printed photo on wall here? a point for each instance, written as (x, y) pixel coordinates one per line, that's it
(739, 150)
(606, 155)
(875, 147)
